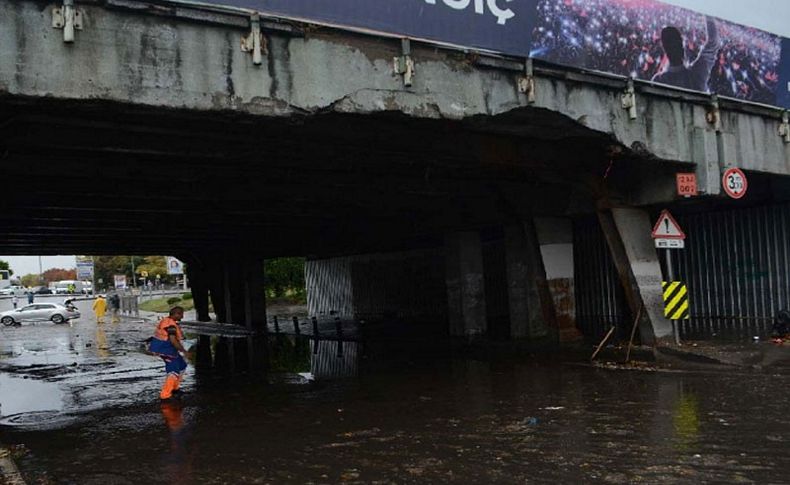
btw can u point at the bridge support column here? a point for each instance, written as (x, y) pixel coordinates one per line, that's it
(198, 280)
(531, 309)
(216, 284)
(627, 233)
(465, 285)
(555, 236)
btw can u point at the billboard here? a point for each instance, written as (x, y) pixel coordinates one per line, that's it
(84, 268)
(120, 281)
(493, 25)
(654, 41)
(645, 39)
(174, 266)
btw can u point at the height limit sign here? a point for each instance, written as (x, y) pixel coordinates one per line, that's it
(667, 232)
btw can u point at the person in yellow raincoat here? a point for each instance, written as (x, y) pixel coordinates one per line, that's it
(99, 308)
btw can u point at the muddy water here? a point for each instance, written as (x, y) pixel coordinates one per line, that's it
(413, 421)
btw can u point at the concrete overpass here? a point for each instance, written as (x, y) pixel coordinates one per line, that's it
(452, 193)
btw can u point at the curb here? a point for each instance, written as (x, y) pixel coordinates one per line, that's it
(9, 473)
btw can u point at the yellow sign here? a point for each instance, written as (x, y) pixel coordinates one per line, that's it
(676, 300)
(144, 274)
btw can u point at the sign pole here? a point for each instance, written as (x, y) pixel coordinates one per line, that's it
(671, 278)
(93, 278)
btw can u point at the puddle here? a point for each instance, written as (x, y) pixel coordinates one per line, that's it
(18, 395)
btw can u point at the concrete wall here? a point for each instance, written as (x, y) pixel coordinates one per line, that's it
(329, 287)
(170, 62)
(403, 285)
(555, 236)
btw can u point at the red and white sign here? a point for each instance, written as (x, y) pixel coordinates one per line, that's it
(735, 183)
(667, 232)
(687, 184)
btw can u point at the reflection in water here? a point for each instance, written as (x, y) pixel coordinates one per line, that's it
(177, 463)
(28, 395)
(686, 420)
(101, 343)
(289, 354)
(333, 359)
(326, 359)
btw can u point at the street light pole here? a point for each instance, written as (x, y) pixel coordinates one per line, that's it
(40, 271)
(134, 275)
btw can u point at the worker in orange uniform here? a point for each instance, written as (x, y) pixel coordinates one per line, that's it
(166, 343)
(99, 308)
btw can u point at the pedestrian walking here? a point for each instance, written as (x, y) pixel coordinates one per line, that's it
(115, 307)
(166, 343)
(30, 297)
(99, 308)
(14, 301)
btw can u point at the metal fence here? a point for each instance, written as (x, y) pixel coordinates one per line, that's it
(736, 265)
(600, 302)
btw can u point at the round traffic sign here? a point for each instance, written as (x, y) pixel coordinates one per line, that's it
(735, 183)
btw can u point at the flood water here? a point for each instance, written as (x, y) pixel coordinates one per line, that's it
(409, 420)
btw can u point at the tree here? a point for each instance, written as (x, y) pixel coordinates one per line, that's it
(59, 274)
(285, 277)
(29, 280)
(154, 265)
(5, 266)
(106, 267)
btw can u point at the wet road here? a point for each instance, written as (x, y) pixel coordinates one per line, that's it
(419, 421)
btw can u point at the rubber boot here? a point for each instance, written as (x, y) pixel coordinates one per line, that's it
(177, 389)
(171, 383)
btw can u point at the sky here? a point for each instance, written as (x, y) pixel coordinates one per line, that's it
(23, 265)
(770, 15)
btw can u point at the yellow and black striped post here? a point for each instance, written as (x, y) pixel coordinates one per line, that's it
(676, 300)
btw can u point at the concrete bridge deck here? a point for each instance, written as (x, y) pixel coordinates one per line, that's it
(155, 133)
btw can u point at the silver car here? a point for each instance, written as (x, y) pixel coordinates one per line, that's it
(39, 312)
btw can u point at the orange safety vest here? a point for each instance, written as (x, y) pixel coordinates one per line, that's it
(161, 330)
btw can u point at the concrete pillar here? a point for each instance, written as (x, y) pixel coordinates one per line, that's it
(465, 285)
(254, 294)
(627, 233)
(519, 294)
(555, 236)
(235, 271)
(255, 313)
(198, 278)
(216, 284)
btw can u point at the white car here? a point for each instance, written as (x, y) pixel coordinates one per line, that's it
(12, 290)
(39, 312)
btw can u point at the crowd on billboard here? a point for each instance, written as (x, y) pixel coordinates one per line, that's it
(650, 40)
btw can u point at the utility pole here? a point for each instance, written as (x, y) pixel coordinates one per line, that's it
(134, 275)
(40, 272)
(93, 275)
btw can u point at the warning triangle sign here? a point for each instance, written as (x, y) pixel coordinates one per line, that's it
(667, 227)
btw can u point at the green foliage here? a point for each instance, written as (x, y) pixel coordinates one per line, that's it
(186, 296)
(162, 305)
(30, 280)
(173, 301)
(108, 266)
(285, 278)
(154, 265)
(5, 266)
(289, 354)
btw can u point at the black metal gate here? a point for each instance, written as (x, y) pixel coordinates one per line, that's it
(600, 301)
(736, 265)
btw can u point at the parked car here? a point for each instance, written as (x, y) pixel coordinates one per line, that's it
(12, 290)
(39, 312)
(41, 290)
